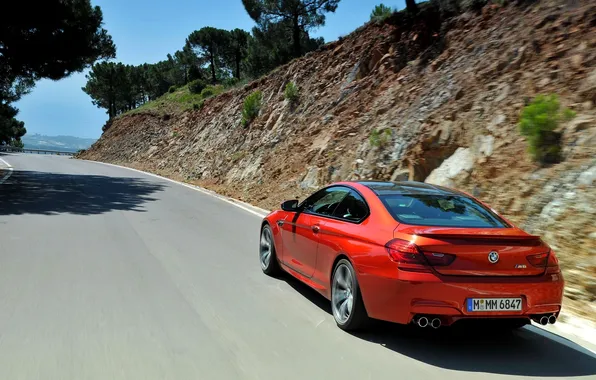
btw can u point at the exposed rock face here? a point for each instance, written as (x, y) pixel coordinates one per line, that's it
(378, 105)
(462, 161)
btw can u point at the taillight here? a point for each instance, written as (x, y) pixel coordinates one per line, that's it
(539, 261)
(547, 260)
(553, 264)
(408, 257)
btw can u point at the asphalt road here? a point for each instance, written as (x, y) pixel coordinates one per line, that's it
(106, 273)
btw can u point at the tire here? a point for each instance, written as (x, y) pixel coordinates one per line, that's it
(347, 307)
(267, 254)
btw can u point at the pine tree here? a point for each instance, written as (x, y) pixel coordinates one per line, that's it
(299, 15)
(210, 42)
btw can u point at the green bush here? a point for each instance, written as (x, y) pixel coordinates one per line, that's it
(291, 92)
(196, 86)
(252, 106)
(198, 106)
(538, 123)
(379, 139)
(207, 92)
(380, 13)
(172, 89)
(210, 91)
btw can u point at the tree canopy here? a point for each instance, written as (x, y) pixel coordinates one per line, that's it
(59, 38)
(236, 49)
(297, 15)
(269, 48)
(11, 130)
(211, 43)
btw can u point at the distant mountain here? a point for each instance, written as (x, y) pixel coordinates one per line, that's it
(63, 143)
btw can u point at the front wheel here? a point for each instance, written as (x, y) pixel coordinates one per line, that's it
(346, 300)
(267, 254)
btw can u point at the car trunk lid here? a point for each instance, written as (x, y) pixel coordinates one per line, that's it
(485, 252)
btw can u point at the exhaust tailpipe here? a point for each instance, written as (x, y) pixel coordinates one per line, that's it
(435, 323)
(422, 322)
(544, 320)
(552, 319)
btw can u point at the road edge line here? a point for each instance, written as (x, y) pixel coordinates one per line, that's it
(9, 170)
(235, 202)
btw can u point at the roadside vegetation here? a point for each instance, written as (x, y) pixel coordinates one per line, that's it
(379, 138)
(380, 13)
(251, 108)
(539, 123)
(291, 93)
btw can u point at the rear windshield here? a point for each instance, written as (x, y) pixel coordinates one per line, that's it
(441, 211)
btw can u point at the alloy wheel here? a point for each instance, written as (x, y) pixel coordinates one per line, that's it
(266, 248)
(342, 296)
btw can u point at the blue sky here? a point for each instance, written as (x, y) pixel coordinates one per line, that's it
(146, 31)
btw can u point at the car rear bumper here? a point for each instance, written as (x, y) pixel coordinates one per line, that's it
(401, 297)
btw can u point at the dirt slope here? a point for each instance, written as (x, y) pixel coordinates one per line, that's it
(396, 102)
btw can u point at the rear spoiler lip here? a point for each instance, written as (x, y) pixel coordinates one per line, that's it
(407, 232)
(478, 236)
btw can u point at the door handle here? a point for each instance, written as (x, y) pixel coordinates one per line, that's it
(316, 229)
(280, 223)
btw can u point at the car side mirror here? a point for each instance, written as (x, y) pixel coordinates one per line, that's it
(291, 205)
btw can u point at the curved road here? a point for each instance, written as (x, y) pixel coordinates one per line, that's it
(106, 273)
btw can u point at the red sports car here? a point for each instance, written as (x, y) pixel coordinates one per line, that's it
(412, 252)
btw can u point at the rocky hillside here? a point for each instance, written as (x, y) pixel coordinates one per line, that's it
(406, 100)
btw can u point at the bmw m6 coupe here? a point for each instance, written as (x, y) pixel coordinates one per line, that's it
(410, 252)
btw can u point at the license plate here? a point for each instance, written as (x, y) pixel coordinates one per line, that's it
(494, 304)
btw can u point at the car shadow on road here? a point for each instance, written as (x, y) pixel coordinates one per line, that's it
(475, 348)
(32, 192)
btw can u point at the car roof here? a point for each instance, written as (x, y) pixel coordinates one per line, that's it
(407, 188)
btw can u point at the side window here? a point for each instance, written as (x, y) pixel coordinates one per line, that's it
(325, 201)
(352, 207)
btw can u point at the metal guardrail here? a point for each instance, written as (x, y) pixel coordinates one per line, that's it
(11, 149)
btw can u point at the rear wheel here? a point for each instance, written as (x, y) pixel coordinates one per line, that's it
(267, 254)
(346, 300)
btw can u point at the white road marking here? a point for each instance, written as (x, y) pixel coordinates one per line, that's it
(9, 170)
(231, 201)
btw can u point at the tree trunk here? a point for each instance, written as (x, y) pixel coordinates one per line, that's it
(212, 58)
(237, 74)
(296, 37)
(111, 108)
(411, 6)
